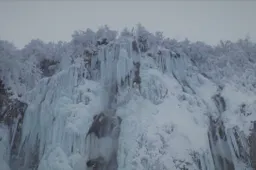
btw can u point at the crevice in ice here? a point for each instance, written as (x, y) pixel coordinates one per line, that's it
(137, 79)
(135, 46)
(102, 125)
(220, 103)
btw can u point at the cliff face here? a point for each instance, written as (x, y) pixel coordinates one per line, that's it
(127, 105)
(11, 120)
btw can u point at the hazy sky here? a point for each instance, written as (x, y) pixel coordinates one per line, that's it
(197, 20)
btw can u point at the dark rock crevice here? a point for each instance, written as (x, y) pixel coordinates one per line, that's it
(218, 140)
(137, 78)
(219, 102)
(48, 67)
(104, 125)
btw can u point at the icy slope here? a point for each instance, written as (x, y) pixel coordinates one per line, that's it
(129, 104)
(162, 135)
(161, 126)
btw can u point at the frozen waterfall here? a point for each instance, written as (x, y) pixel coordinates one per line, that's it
(126, 104)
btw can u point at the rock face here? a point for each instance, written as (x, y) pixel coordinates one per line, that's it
(104, 131)
(11, 118)
(48, 67)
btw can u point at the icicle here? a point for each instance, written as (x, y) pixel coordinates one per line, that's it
(233, 143)
(116, 66)
(239, 148)
(14, 129)
(4, 144)
(50, 117)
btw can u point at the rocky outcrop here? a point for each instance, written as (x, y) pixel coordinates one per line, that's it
(11, 116)
(103, 133)
(48, 67)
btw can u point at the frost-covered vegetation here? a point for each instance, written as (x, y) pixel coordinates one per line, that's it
(228, 61)
(180, 105)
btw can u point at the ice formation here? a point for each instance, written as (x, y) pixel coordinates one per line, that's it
(125, 103)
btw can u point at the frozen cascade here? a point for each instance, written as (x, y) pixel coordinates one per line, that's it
(219, 146)
(59, 113)
(61, 107)
(138, 111)
(117, 69)
(175, 64)
(239, 148)
(228, 146)
(117, 73)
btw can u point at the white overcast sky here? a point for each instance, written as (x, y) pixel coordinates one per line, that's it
(206, 21)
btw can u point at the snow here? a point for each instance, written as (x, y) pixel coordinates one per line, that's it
(236, 98)
(54, 160)
(163, 122)
(77, 161)
(4, 166)
(146, 127)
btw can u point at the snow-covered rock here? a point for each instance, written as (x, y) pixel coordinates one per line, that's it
(133, 102)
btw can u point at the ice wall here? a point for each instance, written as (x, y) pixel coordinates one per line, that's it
(118, 72)
(61, 109)
(126, 108)
(58, 115)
